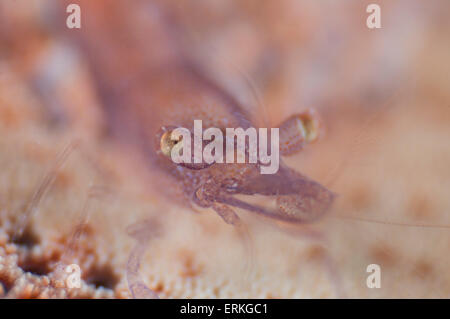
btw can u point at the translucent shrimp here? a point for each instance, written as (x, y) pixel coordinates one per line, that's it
(172, 92)
(148, 90)
(156, 90)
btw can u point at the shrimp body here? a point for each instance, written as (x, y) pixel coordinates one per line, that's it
(145, 93)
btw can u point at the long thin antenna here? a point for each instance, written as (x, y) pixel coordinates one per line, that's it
(391, 223)
(250, 83)
(94, 192)
(42, 189)
(255, 91)
(339, 167)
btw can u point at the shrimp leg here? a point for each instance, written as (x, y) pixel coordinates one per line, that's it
(231, 218)
(140, 232)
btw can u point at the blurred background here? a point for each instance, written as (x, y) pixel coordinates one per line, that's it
(383, 96)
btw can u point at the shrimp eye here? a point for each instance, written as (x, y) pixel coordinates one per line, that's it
(167, 142)
(297, 130)
(309, 125)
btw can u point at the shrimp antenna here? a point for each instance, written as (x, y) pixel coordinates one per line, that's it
(248, 81)
(391, 223)
(256, 94)
(42, 189)
(94, 192)
(340, 166)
